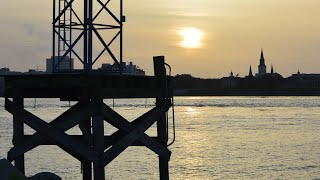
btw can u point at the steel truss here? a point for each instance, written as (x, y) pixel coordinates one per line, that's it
(66, 21)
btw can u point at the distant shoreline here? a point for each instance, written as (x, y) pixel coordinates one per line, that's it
(187, 92)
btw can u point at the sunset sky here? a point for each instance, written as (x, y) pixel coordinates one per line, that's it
(205, 38)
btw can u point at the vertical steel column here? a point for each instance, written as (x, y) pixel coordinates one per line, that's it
(59, 35)
(18, 134)
(85, 35)
(53, 35)
(90, 11)
(85, 127)
(121, 35)
(70, 36)
(64, 46)
(64, 27)
(160, 71)
(98, 139)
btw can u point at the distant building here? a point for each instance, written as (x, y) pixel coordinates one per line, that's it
(302, 80)
(36, 71)
(129, 69)
(271, 76)
(133, 70)
(231, 81)
(262, 69)
(262, 72)
(65, 64)
(4, 70)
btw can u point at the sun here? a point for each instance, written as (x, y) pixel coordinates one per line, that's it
(191, 37)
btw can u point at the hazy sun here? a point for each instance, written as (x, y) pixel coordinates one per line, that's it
(191, 37)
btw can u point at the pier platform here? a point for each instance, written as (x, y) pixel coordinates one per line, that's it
(93, 148)
(77, 85)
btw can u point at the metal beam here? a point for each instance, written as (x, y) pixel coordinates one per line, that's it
(125, 127)
(132, 136)
(88, 28)
(106, 47)
(108, 140)
(62, 12)
(90, 41)
(77, 149)
(75, 53)
(69, 49)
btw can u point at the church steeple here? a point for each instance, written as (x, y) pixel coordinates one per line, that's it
(250, 72)
(272, 69)
(262, 66)
(262, 58)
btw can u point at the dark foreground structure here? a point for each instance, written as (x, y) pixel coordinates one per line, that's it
(93, 148)
(88, 88)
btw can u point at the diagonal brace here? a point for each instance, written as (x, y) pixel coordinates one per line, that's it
(106, 46)
(77, 149)
(76, 113)
(110, 13)
(134, 134)
(124, 127)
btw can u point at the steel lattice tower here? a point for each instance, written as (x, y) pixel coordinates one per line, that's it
(71, 27)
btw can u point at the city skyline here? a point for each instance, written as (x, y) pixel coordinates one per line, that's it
(204, 38)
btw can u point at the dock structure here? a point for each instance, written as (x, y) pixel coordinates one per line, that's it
(93, 149)
(88, 88)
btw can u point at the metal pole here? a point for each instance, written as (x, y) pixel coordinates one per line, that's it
(121, 35)
(59, 37)
(85, 37)
(53, 35)
(70, 35)
(90, 35)
(64, 26)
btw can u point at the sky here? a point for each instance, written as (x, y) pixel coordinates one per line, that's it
(205, 38)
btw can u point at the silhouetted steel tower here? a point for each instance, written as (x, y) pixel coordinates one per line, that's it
(70, 27)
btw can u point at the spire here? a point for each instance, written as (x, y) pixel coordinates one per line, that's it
(262, 57)
(250, 72)
(262, 66)
(272, 69)
(231, 74)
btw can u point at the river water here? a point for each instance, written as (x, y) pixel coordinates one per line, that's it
(217, 138)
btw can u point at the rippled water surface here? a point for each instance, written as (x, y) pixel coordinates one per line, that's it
(217, 138)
